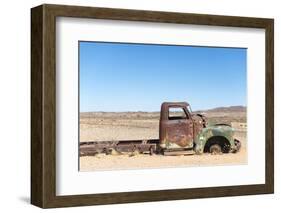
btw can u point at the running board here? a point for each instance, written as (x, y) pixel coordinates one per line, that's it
(178, 152)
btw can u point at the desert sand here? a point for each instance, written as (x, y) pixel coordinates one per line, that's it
(107, 126)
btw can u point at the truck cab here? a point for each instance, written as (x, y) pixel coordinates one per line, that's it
(181, 131)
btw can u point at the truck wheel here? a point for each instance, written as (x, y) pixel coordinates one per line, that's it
(215, 149)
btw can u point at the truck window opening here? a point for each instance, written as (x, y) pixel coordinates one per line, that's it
(176, 113)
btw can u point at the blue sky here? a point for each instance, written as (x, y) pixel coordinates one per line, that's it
(139, 77)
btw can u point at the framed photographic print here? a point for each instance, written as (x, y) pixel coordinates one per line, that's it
(136, 106)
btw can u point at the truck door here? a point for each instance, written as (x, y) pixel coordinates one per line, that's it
(179, 128)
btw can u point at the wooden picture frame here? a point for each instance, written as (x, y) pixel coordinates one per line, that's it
(43, 105)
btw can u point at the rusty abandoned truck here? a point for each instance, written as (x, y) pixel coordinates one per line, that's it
(181, 132)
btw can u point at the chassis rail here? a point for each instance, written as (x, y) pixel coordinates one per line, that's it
(108, 147)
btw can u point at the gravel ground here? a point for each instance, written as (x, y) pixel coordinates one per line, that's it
(130, 126)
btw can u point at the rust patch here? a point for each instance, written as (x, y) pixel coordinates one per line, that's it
(177, 129)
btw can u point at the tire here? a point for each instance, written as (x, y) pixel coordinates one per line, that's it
(215, 149)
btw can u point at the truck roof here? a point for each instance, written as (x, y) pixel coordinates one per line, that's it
(175, 104)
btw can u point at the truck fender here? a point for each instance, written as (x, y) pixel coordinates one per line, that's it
(218, 134)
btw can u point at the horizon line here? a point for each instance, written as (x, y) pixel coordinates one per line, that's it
(129, 111)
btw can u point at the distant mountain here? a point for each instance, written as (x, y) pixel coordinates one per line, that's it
(226, 109)
(136, 113)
